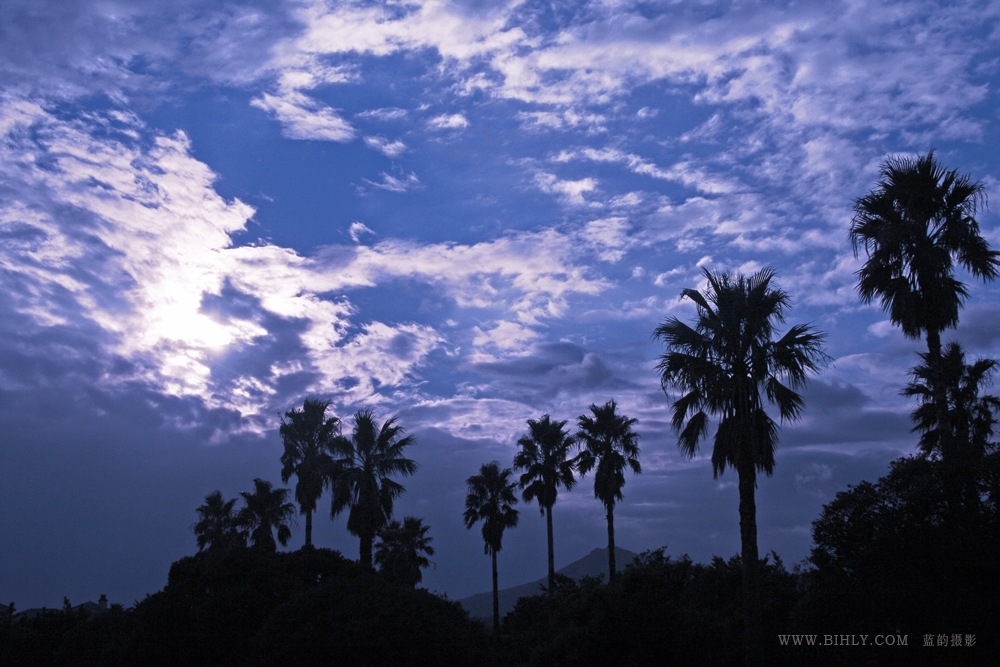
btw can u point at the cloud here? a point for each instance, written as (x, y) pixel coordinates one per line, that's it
(682, 172)
(394, 184)
(566, 119)
(359, 229)
(528, 275)
(389, 148)
(570, 192)
(304, 118)
(455, 121)
(504, 336)
(148, 254)
(385, 115)
(608, 237)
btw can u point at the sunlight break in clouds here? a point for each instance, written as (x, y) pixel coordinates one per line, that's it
(162, 232)
(166, 247)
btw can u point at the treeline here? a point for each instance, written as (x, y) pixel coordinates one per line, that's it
(246, 607)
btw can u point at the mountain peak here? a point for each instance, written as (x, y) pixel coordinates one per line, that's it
(594, 564)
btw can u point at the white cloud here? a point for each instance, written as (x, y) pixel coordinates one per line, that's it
(682, 172)
(505, 336)
(570, 192)
(163, 246)
(609, 237)
(564, 119)
(302, 117)
(381, 358)
(394, 184)
(359, 229)
(388, 147)
(882, 329)
(385, 114)
(455, 121)
(162, 235)
(529, 275)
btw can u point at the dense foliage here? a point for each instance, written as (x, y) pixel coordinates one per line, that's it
(250, 607)
(901, 556)
(657, 611)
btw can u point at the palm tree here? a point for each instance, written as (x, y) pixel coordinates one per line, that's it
(544, 458)
(363, 481)
(266, 510)
(916, 223)
(217, 526)
(610, 444)
(309, 437)
(970, 417)
(491, 499)
(403, 549)
(728, 364)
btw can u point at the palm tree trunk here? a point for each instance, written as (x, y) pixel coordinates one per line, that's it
(309, 530)
(496, 594)
(956, 483)
(552, 557)
(944, 441)
(366, 550)
(611, 543)
(749, 556)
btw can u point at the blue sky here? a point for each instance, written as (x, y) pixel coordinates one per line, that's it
(466, 214)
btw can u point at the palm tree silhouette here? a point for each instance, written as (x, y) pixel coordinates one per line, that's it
(544, 458)
(728, 365)
(402, 550)
(265, 512)
(491, 499)
(309, 437)
(217, 526)
(970, 417)
(916, 223)
(363, 481)
(610, 444)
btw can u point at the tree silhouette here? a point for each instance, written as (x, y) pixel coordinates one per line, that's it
(728, 365)
(217, 525)
(363, 482)
(914, 225)
(266, 511)
(309, 437)
(544, 458)
(402, 550)
(970, 417)
(610, 444)
(964, 438)
(897, 555)
(491, 499)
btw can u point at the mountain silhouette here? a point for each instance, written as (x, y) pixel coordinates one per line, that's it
(593, 564)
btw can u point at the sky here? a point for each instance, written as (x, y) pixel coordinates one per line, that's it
(463, 214)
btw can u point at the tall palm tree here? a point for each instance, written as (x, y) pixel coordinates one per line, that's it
(217, 526)
(491, 499)
(403, 549)
(309, 437)
(610, 444)
(970, 417)
(266, 511)
(544, 458)
(914, 225)
(729, 364)
(363, 482)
